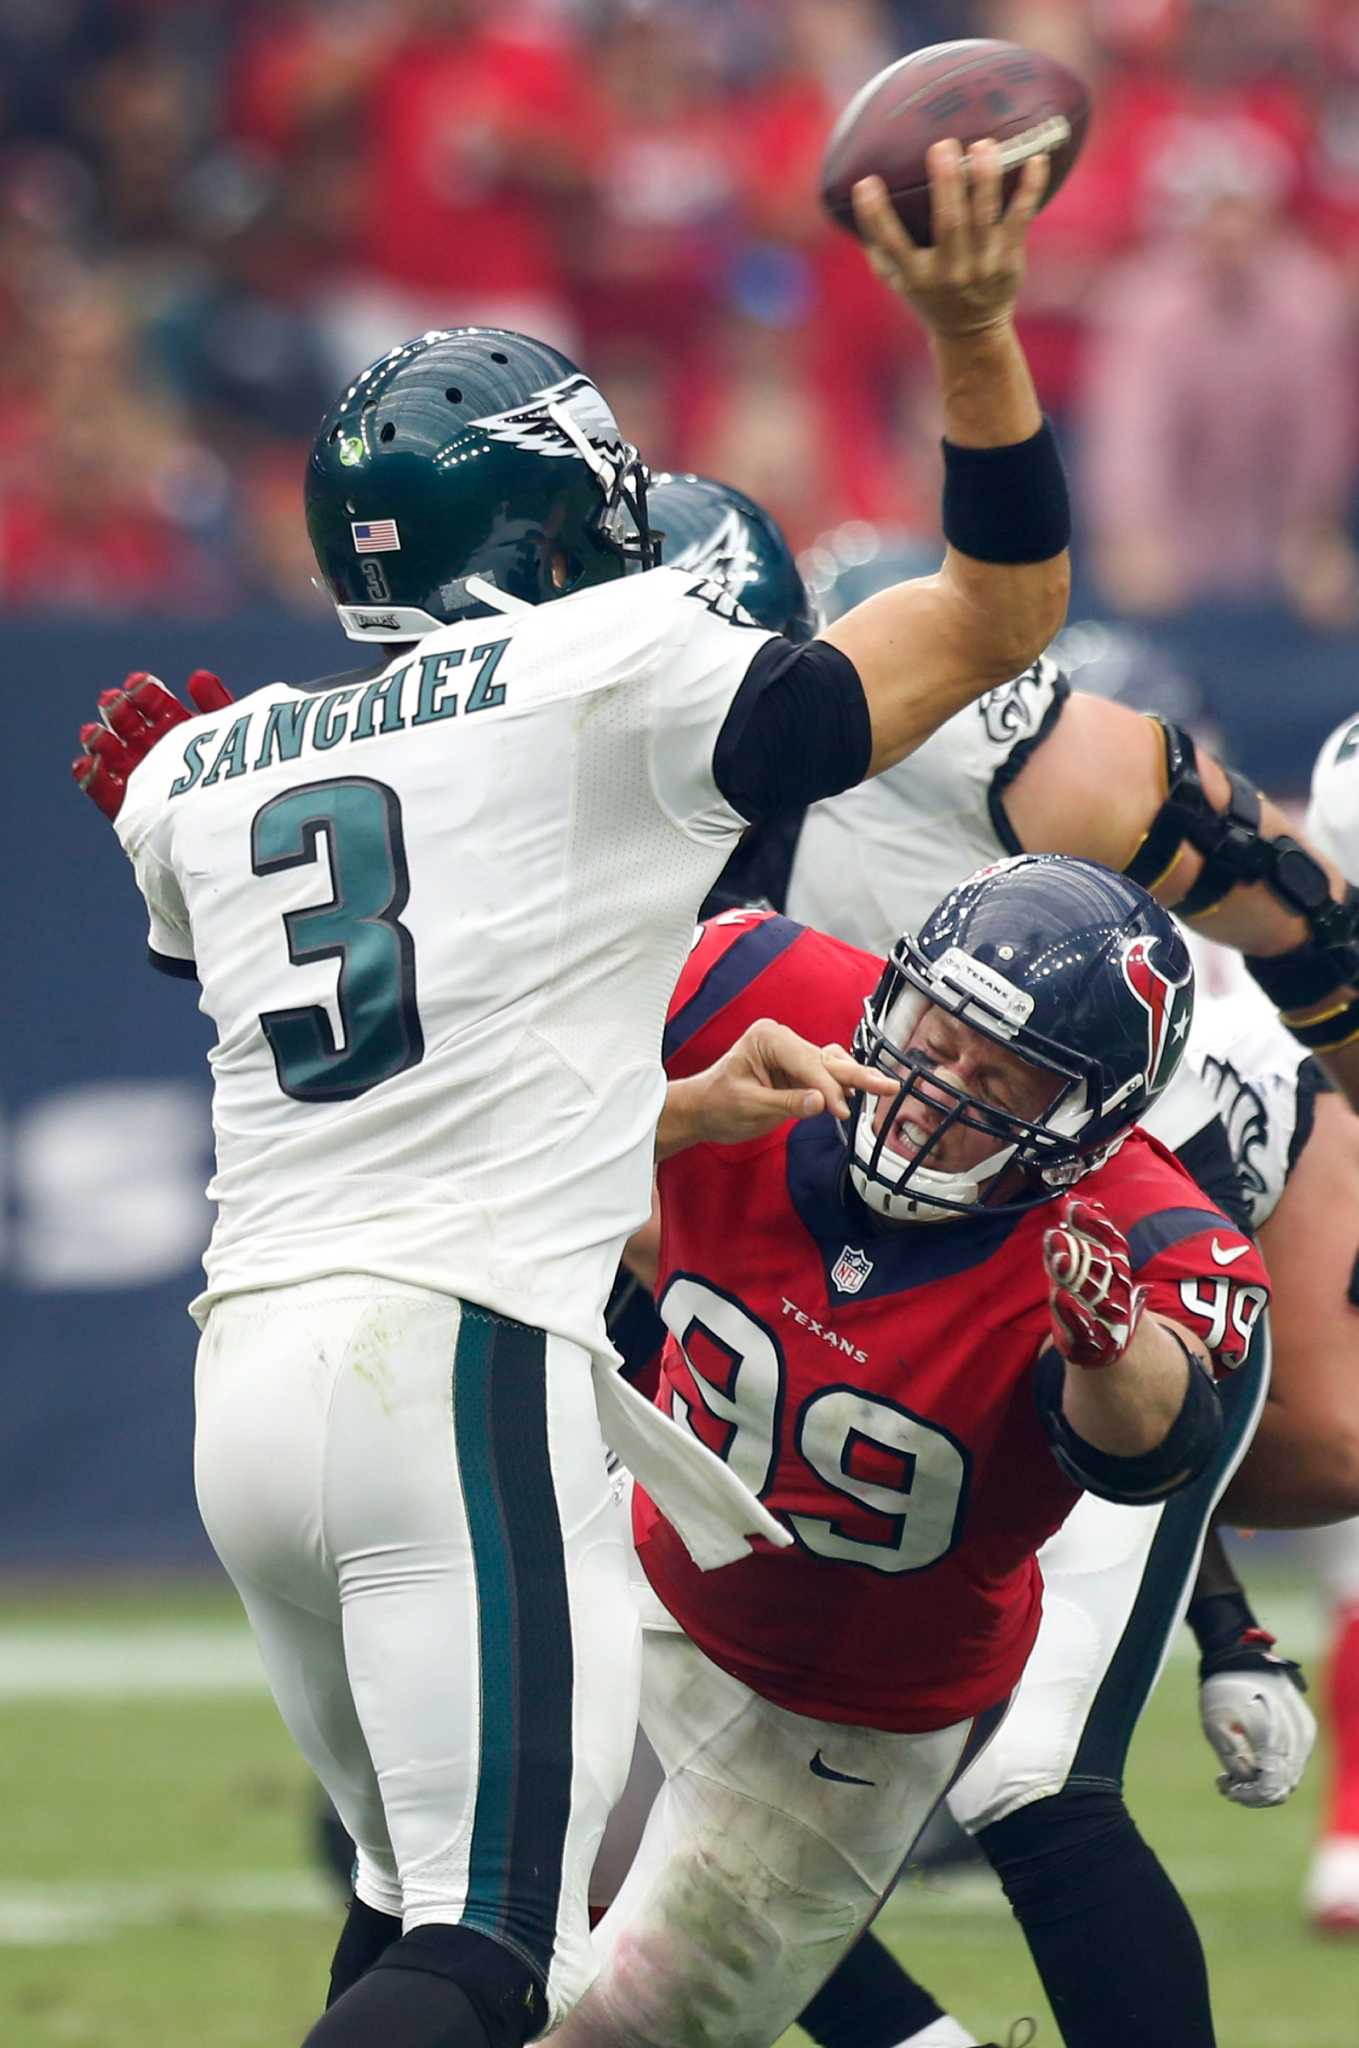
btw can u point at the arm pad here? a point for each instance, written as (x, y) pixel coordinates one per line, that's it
(1176, 1461)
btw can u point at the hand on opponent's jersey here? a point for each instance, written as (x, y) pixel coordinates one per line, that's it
(766, 1077)
(1094, 1302)
(131, 720)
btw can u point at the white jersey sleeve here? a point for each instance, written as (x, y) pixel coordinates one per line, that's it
(710, 643)
(169, 940)
(1333, 814)
(874, 861)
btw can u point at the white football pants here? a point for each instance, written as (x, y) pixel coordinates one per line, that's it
(410, 1495)
(767, 1851)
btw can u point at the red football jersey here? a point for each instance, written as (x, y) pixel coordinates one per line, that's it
(873, 1384)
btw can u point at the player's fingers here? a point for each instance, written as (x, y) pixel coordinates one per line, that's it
(852, 1074)
(949, 224)
(984, 198)
(889, 248)
(160, 709)
(207, 692)
(1028, 197)
(121, 713)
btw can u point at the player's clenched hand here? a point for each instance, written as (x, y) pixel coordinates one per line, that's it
(131, 720)
(970, 279)
(768, 1076)
(1258, 1722)
(1094, 1303)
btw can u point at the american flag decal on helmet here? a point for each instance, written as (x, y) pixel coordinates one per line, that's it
(1166, 1002)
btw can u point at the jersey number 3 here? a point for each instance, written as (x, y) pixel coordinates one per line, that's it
(360, 927)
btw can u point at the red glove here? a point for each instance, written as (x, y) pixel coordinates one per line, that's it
(132, 720)
(1094, 1304)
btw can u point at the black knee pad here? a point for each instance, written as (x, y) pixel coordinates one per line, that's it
(503, 1992)
(1055, 1849)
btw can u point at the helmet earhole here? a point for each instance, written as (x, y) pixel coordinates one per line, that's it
(453, 395)
(499, 356)
(388, 432)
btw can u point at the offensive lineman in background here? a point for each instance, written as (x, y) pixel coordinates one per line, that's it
(1328, 1239)
(403, 891)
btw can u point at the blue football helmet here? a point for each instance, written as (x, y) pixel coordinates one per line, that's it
(722, 534)
(1074, 968)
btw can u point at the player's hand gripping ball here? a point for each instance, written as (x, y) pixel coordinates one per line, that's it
(1093, 1301)
(131, 720)
(1028, 103)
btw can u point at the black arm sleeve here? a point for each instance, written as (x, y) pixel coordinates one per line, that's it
(797, 729)
(1175, 1463)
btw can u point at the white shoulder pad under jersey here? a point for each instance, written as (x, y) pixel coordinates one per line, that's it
(1265, 1086)
(874, 861)
(1333, 814)
(437, 910)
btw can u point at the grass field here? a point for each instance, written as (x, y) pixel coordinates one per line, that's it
(157, 1886)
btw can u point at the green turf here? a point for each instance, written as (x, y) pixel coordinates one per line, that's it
(157, 1885)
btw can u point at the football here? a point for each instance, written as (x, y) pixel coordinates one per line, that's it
(1026, 101)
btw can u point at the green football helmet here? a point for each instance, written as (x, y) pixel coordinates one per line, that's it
(723, 534)
(458, 473)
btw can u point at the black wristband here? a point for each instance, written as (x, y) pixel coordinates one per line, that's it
(1007, 504)
(1219, 1620)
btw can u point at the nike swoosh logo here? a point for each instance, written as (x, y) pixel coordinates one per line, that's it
(823, 1770)
(1227, 1255)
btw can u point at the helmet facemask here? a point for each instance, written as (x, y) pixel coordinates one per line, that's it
(914, 1186)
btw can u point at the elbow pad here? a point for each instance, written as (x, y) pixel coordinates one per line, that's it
(1235, 851)
(1176, 1462)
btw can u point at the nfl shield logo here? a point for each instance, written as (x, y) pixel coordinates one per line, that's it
(850, 1270)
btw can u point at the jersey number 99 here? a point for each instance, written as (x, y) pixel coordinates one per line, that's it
(918, 1513)
(360, 927)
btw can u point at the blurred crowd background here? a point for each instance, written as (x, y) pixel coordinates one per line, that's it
(212, 215)
(213, 212)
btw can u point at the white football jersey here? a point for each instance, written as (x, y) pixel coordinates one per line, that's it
(873, 862)
(437, 916)
(1333, 814)
(1264, 1085)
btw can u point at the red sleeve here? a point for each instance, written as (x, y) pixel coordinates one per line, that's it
(747, 964)
(1201, 1271)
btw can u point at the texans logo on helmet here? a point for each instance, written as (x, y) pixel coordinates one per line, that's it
(1166, 1002)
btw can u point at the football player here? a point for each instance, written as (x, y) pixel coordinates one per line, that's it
(430, 902)
(1319, 1212)
(890, 1338)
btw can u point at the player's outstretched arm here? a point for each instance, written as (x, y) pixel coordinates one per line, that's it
(1110, 784)
(926, 648)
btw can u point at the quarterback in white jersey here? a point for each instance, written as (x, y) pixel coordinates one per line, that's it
(436, 908)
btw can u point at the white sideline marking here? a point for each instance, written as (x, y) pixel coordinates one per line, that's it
(150, 1660)
(141, 1662)
(49, 1915)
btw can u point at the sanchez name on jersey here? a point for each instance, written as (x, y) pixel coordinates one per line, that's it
(436, 913)
(874, 1386)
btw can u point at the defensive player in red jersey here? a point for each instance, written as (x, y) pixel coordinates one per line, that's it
(917, 1346)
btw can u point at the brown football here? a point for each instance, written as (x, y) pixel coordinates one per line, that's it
(972, 89)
